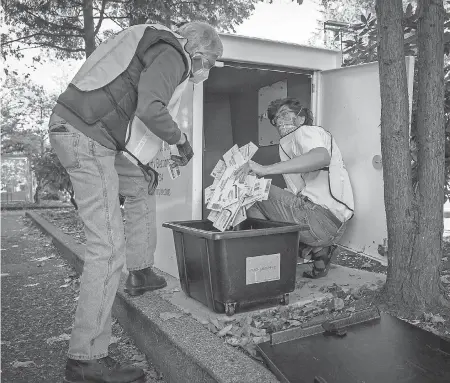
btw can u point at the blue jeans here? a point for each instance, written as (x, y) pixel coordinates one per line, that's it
(317, 229)
(98, 175)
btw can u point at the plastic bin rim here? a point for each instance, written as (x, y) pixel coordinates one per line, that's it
(179, 226)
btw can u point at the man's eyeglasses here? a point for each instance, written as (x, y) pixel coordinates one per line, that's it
(282, 114)
(200, 61)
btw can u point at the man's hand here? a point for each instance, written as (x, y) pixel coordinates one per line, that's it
(186, 152)
(250, 167)
(151, 176)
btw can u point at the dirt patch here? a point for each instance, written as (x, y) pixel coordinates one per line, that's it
(68, 221)
(347, 258)
(39, 298)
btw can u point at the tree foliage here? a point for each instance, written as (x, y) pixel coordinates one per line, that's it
(14, 171)
(73, 28)
(49, 172)
(25, 111)
(360, 46)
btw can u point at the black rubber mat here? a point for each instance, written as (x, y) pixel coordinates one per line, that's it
(384, 350)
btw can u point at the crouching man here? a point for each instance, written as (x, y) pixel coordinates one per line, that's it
(106, 128)
(319, 194)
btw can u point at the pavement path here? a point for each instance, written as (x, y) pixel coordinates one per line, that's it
(39, 292)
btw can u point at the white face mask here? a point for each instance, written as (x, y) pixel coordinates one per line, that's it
(200, 76)
(199, 71)
(286, 122)
(284, 130)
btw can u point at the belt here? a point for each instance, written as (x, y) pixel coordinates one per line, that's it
(324, 210)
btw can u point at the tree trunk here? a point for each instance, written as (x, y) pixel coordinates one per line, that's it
(89, 30)
(138, 14)
(37, 196)
(398, 192)
(426, 257)
(414, 222)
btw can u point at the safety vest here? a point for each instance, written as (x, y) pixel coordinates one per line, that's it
(106, 63)
(340, 188)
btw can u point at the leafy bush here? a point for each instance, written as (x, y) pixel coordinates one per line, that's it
(50, 196)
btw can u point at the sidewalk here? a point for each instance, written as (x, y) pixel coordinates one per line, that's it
(174, 330)
(39, 292)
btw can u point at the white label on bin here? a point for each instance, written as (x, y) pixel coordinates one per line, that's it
(263, 268)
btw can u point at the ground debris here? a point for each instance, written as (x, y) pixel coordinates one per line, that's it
(435, 319)
(59, 338)
(168, 315)
(18, 364)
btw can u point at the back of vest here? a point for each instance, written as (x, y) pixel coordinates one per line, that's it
(104, 113)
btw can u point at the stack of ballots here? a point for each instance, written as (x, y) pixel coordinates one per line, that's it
(228, 197)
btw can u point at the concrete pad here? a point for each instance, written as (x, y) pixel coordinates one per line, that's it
(309, 291)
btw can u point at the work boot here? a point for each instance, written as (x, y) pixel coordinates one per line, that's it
(104, 370)
(140, 281)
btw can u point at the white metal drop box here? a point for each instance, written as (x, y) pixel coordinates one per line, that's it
(230, 108)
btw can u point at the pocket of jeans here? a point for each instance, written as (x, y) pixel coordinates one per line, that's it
(321, 227)
(65, 145)
(57, 124)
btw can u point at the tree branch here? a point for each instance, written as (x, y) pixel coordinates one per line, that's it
(41, 34)
(113, 19)
(54, 24)
(102, 14)
(49, 45)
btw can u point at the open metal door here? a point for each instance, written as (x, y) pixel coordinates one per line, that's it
(178, 199)
(348, 106)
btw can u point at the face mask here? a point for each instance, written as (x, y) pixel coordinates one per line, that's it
(284, 130)
(199, 71)
(200, 76)
(286, 122)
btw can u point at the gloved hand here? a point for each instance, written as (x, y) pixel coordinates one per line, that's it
(151, 176)
(186, 153)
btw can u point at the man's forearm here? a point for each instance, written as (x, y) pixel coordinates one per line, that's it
(313, 160)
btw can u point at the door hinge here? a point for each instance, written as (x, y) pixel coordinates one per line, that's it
(313, 88)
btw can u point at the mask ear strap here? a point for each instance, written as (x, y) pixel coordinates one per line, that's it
(298, 115)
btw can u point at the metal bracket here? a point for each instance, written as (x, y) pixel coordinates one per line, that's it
(315, 327)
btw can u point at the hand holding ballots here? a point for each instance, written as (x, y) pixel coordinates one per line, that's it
(230, 196)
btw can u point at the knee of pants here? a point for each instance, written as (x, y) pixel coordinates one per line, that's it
(254, 212)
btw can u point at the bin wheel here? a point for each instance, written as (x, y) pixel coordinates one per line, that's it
(285, 299)
(230, 309)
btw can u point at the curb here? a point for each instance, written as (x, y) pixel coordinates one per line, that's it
(181, 348)
(26, 208)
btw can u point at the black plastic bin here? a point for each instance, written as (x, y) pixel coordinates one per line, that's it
(226, 270)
